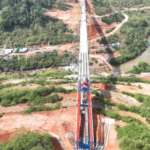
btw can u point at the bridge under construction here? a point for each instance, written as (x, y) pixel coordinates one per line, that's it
(84, 118)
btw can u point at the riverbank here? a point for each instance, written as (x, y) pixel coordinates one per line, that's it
(145, 56)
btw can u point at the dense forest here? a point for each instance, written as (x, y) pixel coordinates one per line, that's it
(130, 3)
(133, 36)
(117, 17)
(22, 22)
(105, 6)
(141, 67)
(43, 60)
(29, 141)
(101, 7)
(111, 39)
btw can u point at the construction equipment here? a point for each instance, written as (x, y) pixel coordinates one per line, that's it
(84, 103)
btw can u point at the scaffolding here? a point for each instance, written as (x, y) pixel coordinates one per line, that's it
(84, 120)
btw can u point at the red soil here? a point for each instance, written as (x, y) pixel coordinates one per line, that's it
(112, 143)
(70, 17)
(68, 96)
(56, 144)
(115, 100)
(58, 122)
(5, 135)
(132, 88)
(61, 53)
(16, 108)
(127, 113)
(145, 78)
(100, 86)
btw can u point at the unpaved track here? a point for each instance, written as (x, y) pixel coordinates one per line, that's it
(119, 26)
(127, 113)
(116, 29)
(134, 88)
(121, 97)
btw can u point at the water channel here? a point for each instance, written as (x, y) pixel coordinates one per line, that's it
(145, 56)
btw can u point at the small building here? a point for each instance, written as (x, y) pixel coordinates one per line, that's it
(109, 45)
(8, 51)
(115, 44)
(15, 50)
(23, 50)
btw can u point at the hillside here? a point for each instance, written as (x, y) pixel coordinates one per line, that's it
(133, 36)
(53, 93)
(23, 23)
(38, 88)
(130, 3)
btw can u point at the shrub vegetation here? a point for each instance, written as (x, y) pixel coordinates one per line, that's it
(31, 140)
(117, 17)
(130, 3)
(39, 95)
(141, 67)
(32, 109)
(116, 80)
(101, 7)
(133, 136)
(44, 60)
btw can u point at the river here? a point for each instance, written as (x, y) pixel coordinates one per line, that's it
(145, 56)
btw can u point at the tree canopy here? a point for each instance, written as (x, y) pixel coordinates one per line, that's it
(101, 6)
(22, 23)
(141, 67)
(133, 37)
(30, 141)
(133, 136)
(130, 3)
(38, 95)
(43, 60)
(116, 17)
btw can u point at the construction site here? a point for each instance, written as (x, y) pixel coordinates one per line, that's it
(96, 29)
(78, 124)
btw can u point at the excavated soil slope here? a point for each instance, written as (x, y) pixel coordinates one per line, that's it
(134, 88)
(61, 122)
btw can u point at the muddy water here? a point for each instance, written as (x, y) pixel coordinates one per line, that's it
(145, 56)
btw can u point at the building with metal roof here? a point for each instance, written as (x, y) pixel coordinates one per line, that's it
(23, 50)
(8, 51)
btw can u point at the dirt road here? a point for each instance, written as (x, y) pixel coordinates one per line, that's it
(115, 30)
(134, 88)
